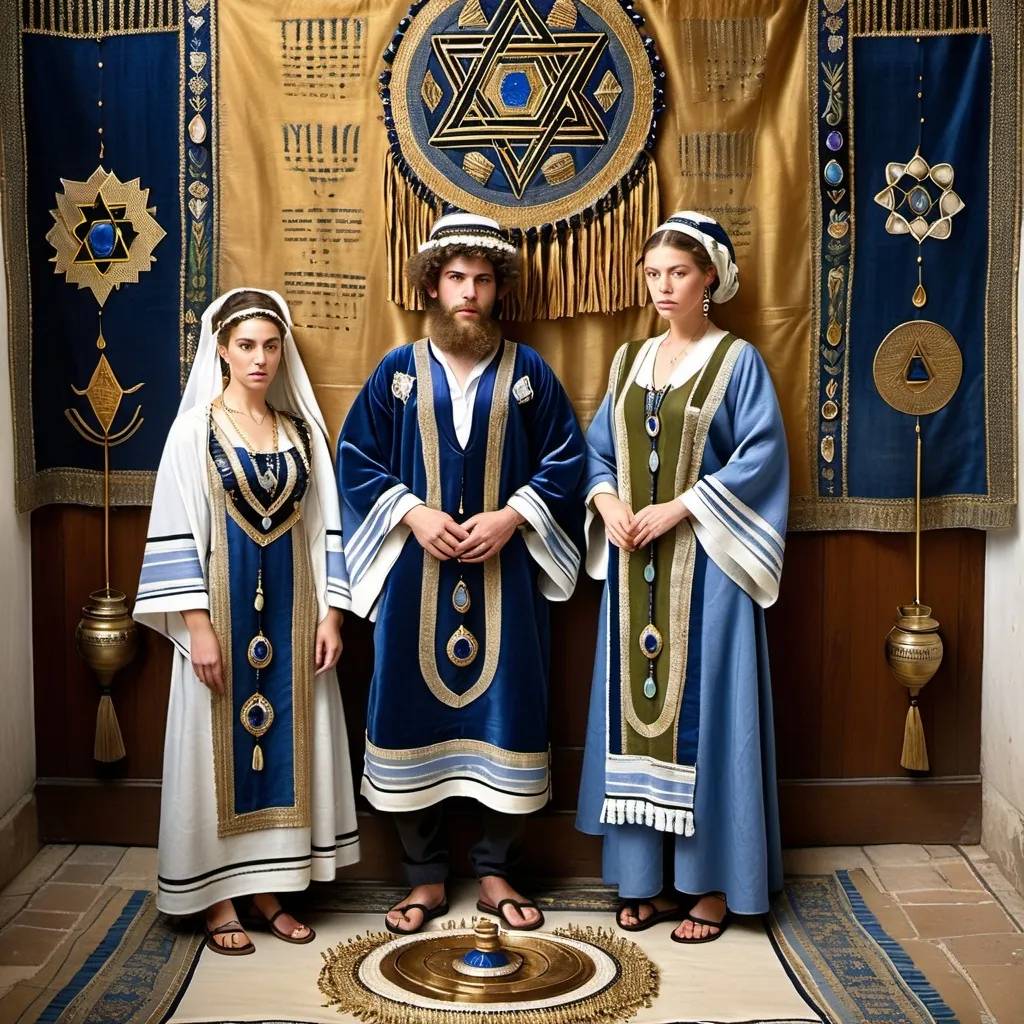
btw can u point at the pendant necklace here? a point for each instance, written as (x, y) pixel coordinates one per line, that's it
(651, 641)
(462, 647)
(271, 476)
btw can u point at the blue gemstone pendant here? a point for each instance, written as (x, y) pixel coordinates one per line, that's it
(260, 651)
(650, 641)
(462, 648)
(653, 425)
(650, 690)
(460, 598)
(649, 572)
(257, 715)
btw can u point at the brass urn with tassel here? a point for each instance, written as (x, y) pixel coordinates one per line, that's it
(917, 370)
(106, 636)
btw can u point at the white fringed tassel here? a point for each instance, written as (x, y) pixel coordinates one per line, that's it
(643, 812)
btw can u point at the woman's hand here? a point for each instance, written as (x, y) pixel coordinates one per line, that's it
(651, 522)
(619, 522)
(328, 641)
(204, 648)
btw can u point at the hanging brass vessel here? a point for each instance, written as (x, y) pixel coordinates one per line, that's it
(107, 640)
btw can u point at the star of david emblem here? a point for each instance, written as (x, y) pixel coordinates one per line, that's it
(519, 89)
(103, 232)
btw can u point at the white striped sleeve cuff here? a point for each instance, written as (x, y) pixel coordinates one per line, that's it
(376, 545)
(172, 577)
(746, 547)
(548, 544)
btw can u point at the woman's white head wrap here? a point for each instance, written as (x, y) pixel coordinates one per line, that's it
(714, 238)
(289, 391)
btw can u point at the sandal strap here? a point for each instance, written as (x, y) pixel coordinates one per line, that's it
(226, 929)
(701, 920)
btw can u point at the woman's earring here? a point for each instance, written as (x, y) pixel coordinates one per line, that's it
(707, 300)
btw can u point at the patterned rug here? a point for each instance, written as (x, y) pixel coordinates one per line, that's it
(821, 955)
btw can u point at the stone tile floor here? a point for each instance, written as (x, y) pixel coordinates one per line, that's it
(949, 907)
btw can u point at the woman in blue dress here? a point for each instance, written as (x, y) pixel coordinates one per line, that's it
(687, 494)
(244, 573)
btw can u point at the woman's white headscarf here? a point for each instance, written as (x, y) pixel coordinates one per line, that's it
(290, 391)
(716, 241)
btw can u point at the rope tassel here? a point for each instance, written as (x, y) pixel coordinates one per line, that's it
(915, 750)
(109, 745)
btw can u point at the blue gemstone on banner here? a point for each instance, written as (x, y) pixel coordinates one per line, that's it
(650, 690)
(920, 201)
(833, 173)
(101, 238)
(651, 643)
(260, 650)
(834, 141)
(515, 89)
(462, 648)
(649, 572)
(653, 462)
(257, 716)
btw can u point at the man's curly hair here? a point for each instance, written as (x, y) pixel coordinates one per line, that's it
(423, 270)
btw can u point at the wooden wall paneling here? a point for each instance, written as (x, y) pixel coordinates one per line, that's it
(971, 653)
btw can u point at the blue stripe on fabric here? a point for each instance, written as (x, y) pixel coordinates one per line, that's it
(336, 566)
(189, 569)
(169, 554)
(900, 959)
(557, 543)
(731, 500)
(648, 784)
(369, 537)
(457, 762)
(749, 541)
(95, 960)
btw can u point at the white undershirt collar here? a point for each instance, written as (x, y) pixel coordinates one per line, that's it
(463, 398)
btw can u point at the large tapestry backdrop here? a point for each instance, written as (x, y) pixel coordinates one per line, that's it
(865, 156)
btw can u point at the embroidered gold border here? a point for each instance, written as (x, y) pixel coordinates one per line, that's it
(431, 566)
(96, 19)
(696, 424)
(222, 715)
(512, 758)
(523, 215)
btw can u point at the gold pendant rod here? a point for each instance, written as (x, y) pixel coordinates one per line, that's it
(106, 510)
(917, 525)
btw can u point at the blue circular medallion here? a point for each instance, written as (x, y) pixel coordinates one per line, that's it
(101, 238)
(651, 643)
(834, 141)
(257, 716)
(462, 648)
(833, 173)
(259, 650)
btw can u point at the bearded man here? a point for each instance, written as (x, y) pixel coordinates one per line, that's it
(459, 466)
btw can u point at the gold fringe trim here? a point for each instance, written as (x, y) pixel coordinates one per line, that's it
(95, 18)
(109, 745)
(888, 17)
(635, 988)
(587, 269)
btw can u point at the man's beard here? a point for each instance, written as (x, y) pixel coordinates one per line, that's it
(456, 337)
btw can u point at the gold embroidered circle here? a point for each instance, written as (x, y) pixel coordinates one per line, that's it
(918, 367)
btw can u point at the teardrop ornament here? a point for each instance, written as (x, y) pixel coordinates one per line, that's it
(197, 129)
(258, 603)
(920, 296)
(650, 690)
(653, 462)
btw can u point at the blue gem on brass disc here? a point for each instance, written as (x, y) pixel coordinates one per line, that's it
(460, 597)
(653, 426)
(649, 572)
(919, 199)
(650, 641)
(650, 690)
(462, 648)
(653, 462)
(917, 371)
(833, 173)
(834, 141)
(257, 715)
(102, 238)
(260, 651)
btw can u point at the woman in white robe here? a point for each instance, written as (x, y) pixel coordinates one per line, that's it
(244, 573)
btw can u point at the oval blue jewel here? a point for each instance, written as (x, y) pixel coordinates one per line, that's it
(259, 650)
(101, 238)
(833, 173)
(653, 426)
(653, 462)
(650, 690)
(462, 648)
(649, 572)
(651, 643)
(834, 141)
(920, 201)
(257, 716)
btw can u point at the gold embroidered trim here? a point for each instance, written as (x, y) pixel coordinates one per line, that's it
(431, 566)
(917, 17)
(263, 539)
(499, 755)
(222, 706)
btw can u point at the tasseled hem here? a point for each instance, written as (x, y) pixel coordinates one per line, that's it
(642, 812)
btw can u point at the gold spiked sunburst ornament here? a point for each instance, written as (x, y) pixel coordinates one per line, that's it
(104, 234)
(106, 635)
(917, 370)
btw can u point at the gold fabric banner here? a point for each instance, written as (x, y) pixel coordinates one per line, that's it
(302, 148)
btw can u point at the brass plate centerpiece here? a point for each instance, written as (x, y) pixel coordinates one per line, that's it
(917, 370)
(456, 975)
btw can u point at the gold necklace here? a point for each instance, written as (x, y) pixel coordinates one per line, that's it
(269, 478)
(693, 341)
(238, 412)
